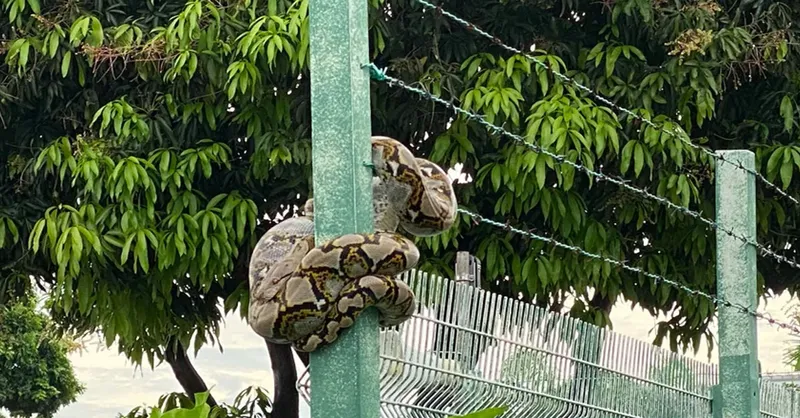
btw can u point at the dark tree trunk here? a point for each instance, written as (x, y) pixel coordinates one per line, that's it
(184, 371)
(286, 400)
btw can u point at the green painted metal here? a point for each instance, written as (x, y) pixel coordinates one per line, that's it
(738, 395)
(345, 375)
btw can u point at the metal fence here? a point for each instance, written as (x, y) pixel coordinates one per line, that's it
(779, 400)
(468, 349)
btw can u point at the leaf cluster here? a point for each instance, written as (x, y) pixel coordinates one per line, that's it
(252, 402)
(36, 377)
(715, 74)
(147, 146)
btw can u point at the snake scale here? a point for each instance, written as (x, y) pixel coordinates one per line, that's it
(305, 294)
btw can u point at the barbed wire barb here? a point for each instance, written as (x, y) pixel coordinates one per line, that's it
(380, 75)
(622, 264)
(598, 97)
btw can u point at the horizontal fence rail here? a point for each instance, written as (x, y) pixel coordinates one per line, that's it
(467, 349)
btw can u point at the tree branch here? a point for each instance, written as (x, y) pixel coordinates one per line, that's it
(286, 399)
(184, 371)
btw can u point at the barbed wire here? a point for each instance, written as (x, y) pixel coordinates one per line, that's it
(622, 264)
(380, 75)
(598, 97)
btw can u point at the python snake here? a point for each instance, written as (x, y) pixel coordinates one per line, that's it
(305, 295)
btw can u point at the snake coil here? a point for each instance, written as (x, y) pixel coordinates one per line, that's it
(304, 294)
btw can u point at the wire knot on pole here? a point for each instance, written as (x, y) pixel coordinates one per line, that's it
(374, 72)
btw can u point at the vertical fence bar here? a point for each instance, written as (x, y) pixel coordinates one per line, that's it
(738, 392)
(345, 376)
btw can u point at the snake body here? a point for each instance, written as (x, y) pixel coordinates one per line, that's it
(304, 294)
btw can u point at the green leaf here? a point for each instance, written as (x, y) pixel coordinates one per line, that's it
(205, 252)
(611, 60)
(544, 83)
(774, 160)
(787, 111)
(52, 44)
(12, 227)
(683, 189)
(67, 293)
(65, 64)
(496, 176)
(24, 50)
(241, 219)
(542, 273)
(625, 161)
(141, 251)
(128, 174)
(638, 159)
(85, 285)
(78, 30)
(541, 173)
(12, 16)
(126, 248)
(35, 6)
(787, 169)
(527, 268)
(96, 38)
(204, 229)
(595, 51)
(77, 243)
(637, 52)
(484, 413)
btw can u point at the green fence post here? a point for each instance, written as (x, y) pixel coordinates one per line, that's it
(345, 380)
(738, 392)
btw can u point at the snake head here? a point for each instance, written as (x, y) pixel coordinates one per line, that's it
(417, 191)
(435, 211)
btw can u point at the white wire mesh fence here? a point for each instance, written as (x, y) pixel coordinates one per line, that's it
(467, 349)
(779, 400)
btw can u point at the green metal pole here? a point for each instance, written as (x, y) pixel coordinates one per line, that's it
(738, 392)
(345, 380)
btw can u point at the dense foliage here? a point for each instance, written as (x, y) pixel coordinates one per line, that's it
(129, 190)
(722, 74)
(252, 402)
(36, 377)
(146, 146)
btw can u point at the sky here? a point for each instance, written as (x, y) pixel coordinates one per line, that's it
(113, 386)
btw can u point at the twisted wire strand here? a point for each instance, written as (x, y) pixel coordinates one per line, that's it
(596, 96)
(622, 264)
(380, 75)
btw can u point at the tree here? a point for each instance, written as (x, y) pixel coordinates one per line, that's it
(36, 377)
(721, 74)
(792, 354)
(148, 145)
(128, 194)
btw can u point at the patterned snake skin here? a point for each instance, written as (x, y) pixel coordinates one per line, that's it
(304, 295)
